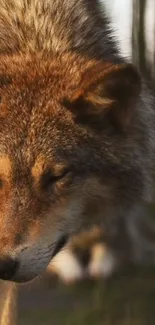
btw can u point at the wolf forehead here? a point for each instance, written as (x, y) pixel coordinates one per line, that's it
(34, 78)
(31, 105)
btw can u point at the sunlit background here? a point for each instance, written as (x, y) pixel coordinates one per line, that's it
(129, 18)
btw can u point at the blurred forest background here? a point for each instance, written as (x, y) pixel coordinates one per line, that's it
(128, 299)
(143, 43)
(134, 24)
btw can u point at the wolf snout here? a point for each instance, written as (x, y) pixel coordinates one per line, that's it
(8, 268)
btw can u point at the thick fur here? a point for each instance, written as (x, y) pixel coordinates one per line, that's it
(77, 133)
(56, 27)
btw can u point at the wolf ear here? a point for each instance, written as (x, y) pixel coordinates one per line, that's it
(106, 89)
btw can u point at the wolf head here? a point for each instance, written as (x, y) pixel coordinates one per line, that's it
(69, 154)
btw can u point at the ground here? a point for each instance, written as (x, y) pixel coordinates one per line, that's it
(127, 299)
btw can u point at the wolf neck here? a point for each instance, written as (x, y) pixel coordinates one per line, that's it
(56, 26)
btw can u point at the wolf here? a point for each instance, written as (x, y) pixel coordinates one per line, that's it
(76, 138)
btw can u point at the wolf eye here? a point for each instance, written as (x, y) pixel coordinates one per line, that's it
(49, 178)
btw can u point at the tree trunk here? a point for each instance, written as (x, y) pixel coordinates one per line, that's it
(138, 36)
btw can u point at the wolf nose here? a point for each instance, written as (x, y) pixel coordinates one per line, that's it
(8, 268)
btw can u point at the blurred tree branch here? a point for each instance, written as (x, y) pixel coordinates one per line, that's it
(138, 35)
(139, 49)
